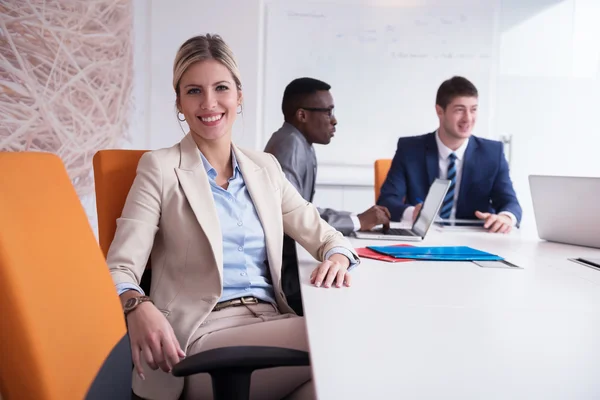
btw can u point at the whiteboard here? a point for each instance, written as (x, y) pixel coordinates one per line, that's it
(384, 65)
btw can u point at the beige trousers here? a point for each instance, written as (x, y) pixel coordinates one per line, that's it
(254, 325)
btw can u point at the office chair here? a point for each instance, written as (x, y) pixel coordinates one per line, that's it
(382, 166)
(114, 172)
(230, 367)
(62, 334)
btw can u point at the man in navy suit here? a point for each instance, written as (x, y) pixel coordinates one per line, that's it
(480, 182)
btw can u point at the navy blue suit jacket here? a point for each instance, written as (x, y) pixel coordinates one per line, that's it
(485, 182)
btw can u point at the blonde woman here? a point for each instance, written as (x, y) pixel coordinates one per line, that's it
(211, 217)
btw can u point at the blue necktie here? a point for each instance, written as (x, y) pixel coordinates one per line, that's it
(449, 199)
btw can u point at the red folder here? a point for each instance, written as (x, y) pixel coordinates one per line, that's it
(368, 253)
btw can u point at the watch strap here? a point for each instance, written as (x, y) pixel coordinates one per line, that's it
(138, 300)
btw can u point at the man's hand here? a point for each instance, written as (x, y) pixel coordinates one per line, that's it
(416, 211)
(376, 215)
(500, 223)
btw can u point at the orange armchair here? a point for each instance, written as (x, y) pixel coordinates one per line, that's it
(382, 166)
(230, 367)
(114, 172)
(62, 334)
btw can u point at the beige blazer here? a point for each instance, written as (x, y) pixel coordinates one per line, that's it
(171, 217)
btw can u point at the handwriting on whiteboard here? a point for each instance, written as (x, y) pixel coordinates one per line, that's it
(405, 35)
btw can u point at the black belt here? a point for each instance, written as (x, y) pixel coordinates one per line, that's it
(242, 301)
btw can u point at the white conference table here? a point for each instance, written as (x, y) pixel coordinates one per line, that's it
(454, 330)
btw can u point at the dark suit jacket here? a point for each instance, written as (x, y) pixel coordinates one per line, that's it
(485, 183)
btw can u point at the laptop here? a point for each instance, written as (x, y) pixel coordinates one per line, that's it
(460, 224)
(567, 209)
(426, 217)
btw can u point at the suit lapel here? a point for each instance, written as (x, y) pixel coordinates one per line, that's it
(194, 182)
(431, 158)
(468, 170)
(265, 201)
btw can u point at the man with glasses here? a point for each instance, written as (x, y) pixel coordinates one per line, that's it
(309, 119)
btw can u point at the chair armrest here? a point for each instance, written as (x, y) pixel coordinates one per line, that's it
(240, 357)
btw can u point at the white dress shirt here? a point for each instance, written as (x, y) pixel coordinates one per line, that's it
(443, 161)
(355, 221)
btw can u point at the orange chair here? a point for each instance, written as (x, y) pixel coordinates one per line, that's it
(382, 166)
(62, 334)
(230, 367)
(114, 172)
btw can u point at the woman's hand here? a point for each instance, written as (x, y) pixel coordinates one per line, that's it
(335, 269)
(152, 338)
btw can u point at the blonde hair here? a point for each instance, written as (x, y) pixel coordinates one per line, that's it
(201, 48)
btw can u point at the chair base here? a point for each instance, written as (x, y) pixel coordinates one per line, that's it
(230, 368)
(231, 384)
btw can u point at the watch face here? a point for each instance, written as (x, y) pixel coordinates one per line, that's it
(130, 303)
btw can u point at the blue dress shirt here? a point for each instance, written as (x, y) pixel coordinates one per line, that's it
(245, 267)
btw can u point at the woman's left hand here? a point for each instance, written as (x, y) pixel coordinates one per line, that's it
(333, 271)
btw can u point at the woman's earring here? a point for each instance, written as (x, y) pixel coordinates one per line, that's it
(240, 109)
(180, 119)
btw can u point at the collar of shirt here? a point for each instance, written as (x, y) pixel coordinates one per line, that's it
(212, 173)
(444, 151)
(293, 129)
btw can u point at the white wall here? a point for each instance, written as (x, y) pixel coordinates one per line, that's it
(549, 90)
(161, 27)
(547, 86)
(171, 23)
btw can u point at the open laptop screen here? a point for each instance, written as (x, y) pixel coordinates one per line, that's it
(431, 206)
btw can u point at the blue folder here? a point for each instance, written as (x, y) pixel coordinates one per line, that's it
(441, 253)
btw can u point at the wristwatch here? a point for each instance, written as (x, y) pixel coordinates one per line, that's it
(133, 302)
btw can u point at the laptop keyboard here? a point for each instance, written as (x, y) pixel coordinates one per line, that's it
(399, 232)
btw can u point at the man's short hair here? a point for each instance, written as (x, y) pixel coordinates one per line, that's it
(456, 86)
(296, 93)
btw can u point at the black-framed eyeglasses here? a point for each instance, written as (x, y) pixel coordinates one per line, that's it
(328, 111)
